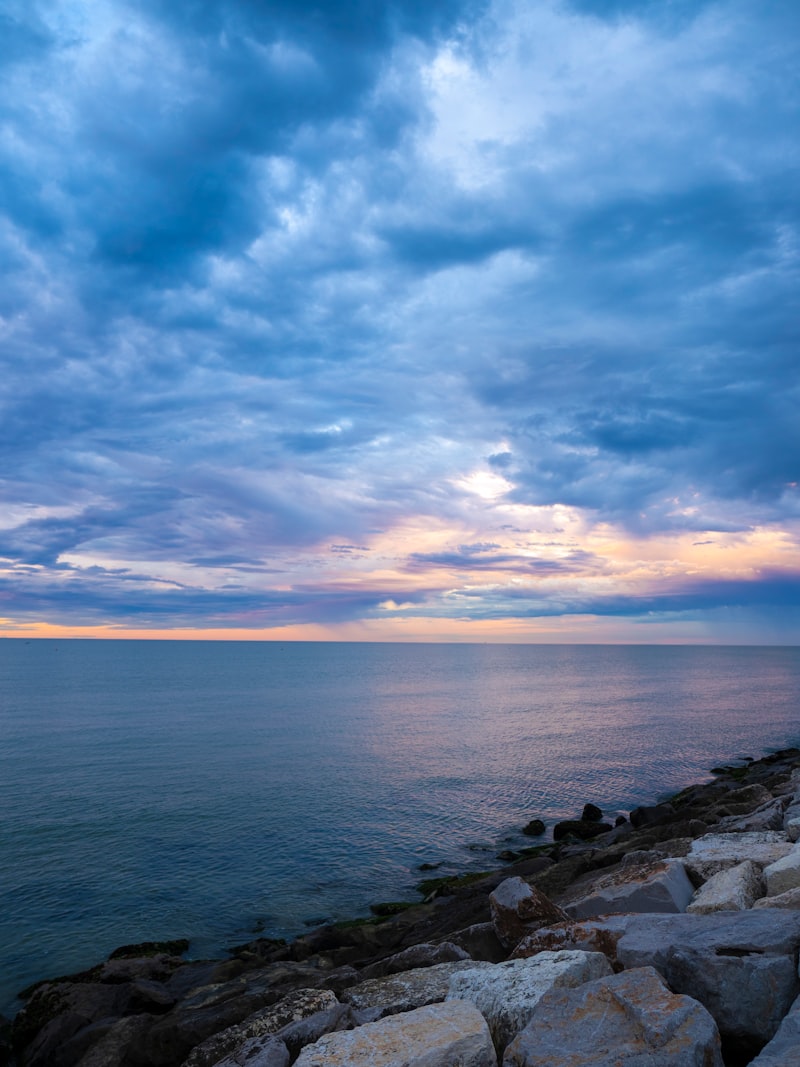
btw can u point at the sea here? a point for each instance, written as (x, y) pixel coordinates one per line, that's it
(221, 791)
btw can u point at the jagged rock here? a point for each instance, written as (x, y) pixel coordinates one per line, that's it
(440, 1035)
(403, 992)
(734, 889)
(506, 994)
(57, 1011)
(784, 1048)
(717, 852)
(790, 900)
(783, 874)
(108, 1043)
(424, 955)
(291, 1009)
(591, 813)
(767, 817)
(591, 935)
(516, 906)
(742, 966)
(625, 1018)
(660, 886)
(268, 1051)
(791, 823)
(585, 829)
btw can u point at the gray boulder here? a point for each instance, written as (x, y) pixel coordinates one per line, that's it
(630, 1018)
(439, 1035)
(424, 955)
(784, 1049)
(717, 852)
(784, 873)
(411, 989)
(660, 886)
(268, 1051)
(735, 889)
(507, 993)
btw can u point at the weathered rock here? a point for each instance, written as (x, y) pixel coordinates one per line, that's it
(108, 1043)
(506, 994)
(717, 852)
(268, 1051)
(630, 1018)
(591, 813)
(424, 955)
(734, 889)
(291, 1009)
(784, 1048)
(591, 935)
(535, 828)
(585, 829)
(480, 942)
(516, 906)
(790, 900)
(403, 992)
(57, 1011)
(440, 1035)
(767, 817)
(783, 874)
(791, 823)
(652, 815)
(742, 966)
(660, 886)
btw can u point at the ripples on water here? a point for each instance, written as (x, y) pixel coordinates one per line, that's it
(212, 790)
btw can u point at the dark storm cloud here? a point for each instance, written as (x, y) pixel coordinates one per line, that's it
(269, 289)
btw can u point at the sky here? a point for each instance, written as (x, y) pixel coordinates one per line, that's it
(465, 320)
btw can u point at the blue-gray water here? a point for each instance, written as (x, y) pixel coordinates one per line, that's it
(216, 790)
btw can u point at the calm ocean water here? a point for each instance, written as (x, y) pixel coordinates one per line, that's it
(221, 790)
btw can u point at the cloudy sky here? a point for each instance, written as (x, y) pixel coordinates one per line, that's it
(400, 319)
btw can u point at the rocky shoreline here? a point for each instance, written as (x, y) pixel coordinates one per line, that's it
(670, 938)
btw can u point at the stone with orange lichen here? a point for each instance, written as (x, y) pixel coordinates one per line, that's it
(517, 908)
(629, 1018)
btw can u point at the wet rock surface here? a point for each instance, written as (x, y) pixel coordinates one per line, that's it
(397, 985)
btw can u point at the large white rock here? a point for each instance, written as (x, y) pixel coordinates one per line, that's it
(507, 993)
(717, 852)
(734, 889)
(629, 1018)
(439, 1035)
(408, 990)
(657, 886)
(783, 874)
(784, 1049)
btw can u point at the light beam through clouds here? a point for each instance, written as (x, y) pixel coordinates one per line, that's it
(456, 320)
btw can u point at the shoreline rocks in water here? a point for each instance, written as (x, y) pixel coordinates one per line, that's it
(673, 937)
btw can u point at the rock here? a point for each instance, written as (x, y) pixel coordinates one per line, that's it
(630, 1018)
(480, 942)
(591, 935)
(403, 992)
(783, 874)
(591, 813)
(266, 1051)
(585, 829)
(108, 1043)
(440, 1035)
(660, 886)
(790, 899)
(742, 966)
(734, 889)
(767, 817)
(506, 994)
(784, 1048)
(306, 1031)
(620, 821)
(291, 1009)
(516, 906)
(652, 816)
(424, 955)
(717, 852)
(535, 828)
(791, 824)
